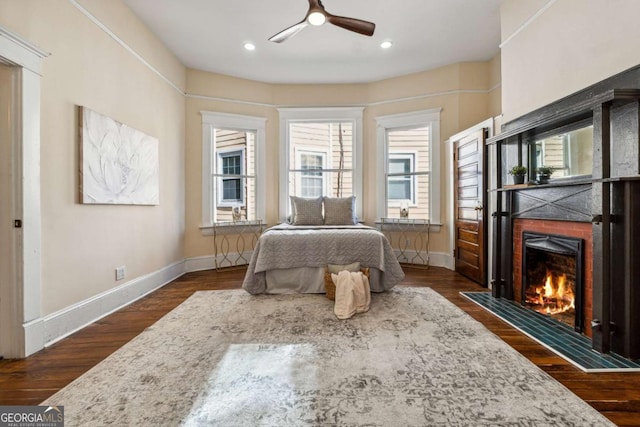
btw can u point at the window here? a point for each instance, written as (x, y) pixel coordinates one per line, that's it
(233, 160)
(409, 167)
(320, 154)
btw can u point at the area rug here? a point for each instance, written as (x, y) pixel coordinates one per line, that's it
(227, 358)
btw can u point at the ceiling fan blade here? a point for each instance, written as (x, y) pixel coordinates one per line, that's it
(352, 24)
(289, 32)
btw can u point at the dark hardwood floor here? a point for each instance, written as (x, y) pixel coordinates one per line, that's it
(29, 381)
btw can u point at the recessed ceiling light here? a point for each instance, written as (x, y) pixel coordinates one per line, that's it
(386, 44)
(249, 46)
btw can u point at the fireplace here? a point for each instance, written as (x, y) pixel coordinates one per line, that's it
(552, 279)
(600, 204)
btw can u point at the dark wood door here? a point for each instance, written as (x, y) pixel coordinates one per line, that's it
(469, 202)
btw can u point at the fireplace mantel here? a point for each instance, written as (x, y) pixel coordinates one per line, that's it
(608, 201)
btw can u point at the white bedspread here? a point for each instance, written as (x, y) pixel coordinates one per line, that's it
(286, 246)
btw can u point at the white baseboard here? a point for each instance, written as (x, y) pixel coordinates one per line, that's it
(436, 259)
(33, 336)
(62, 323)
(49, 329)
(199, 263)
(208, 262)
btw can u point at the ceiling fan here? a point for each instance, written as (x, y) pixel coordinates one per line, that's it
(317, 15)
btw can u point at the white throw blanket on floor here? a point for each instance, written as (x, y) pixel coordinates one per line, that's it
(352, 293)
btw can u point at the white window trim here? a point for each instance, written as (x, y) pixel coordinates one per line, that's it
(411, 155)
(315, 152)
(220, 153)
(329, 114)
(430, 118)
(212, 120)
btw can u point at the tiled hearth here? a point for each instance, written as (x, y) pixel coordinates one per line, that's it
(557, 337)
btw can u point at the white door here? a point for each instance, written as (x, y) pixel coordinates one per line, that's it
(7, 267)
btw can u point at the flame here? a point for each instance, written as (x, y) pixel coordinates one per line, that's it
(554, 296)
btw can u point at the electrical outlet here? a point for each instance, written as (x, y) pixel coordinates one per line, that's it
(120, 273)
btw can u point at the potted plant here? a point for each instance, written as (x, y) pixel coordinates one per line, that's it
(518, 173)
(544, 173)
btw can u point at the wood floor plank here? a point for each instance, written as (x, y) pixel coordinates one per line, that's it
(29, 381)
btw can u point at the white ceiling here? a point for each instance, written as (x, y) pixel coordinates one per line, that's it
(209, 35)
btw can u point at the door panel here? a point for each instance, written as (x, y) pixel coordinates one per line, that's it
(6, 197)
(469, 202)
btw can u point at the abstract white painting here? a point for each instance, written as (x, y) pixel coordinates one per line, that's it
(119, 164)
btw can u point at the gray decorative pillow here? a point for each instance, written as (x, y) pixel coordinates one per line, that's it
(307, 211)
(340, 211)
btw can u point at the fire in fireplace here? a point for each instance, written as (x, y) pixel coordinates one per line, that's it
(554, 295)
(552, 277)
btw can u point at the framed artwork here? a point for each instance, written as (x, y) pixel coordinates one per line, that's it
(119, 164)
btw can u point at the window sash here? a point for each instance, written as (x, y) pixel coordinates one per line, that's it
(232, 190)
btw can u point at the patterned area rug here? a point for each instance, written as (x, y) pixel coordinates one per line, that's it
(227, 358)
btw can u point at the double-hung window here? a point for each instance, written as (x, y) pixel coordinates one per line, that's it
(321, 154)
(233, 160)
(408, 169)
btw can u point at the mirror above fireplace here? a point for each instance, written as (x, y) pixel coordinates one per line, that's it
(569, 152)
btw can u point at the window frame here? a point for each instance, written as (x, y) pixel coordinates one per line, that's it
(385, 124)
(289, 116)
(214, 120)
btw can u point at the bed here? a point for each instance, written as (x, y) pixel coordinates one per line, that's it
(292, 258)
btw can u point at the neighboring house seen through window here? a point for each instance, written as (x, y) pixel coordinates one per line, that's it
(231, 180)
(401, 185)
(312, 177)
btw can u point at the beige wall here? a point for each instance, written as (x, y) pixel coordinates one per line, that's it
(461, 90)
(569, 45)
(82, 244)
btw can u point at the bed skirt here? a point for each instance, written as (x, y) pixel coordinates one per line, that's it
(308, 280)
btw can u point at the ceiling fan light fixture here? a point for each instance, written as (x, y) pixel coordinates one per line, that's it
(316, 18)
(249, 46)
(317, 15)
(386, 44)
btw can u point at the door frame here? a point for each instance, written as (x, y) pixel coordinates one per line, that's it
(490, 126)
(23, 335)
